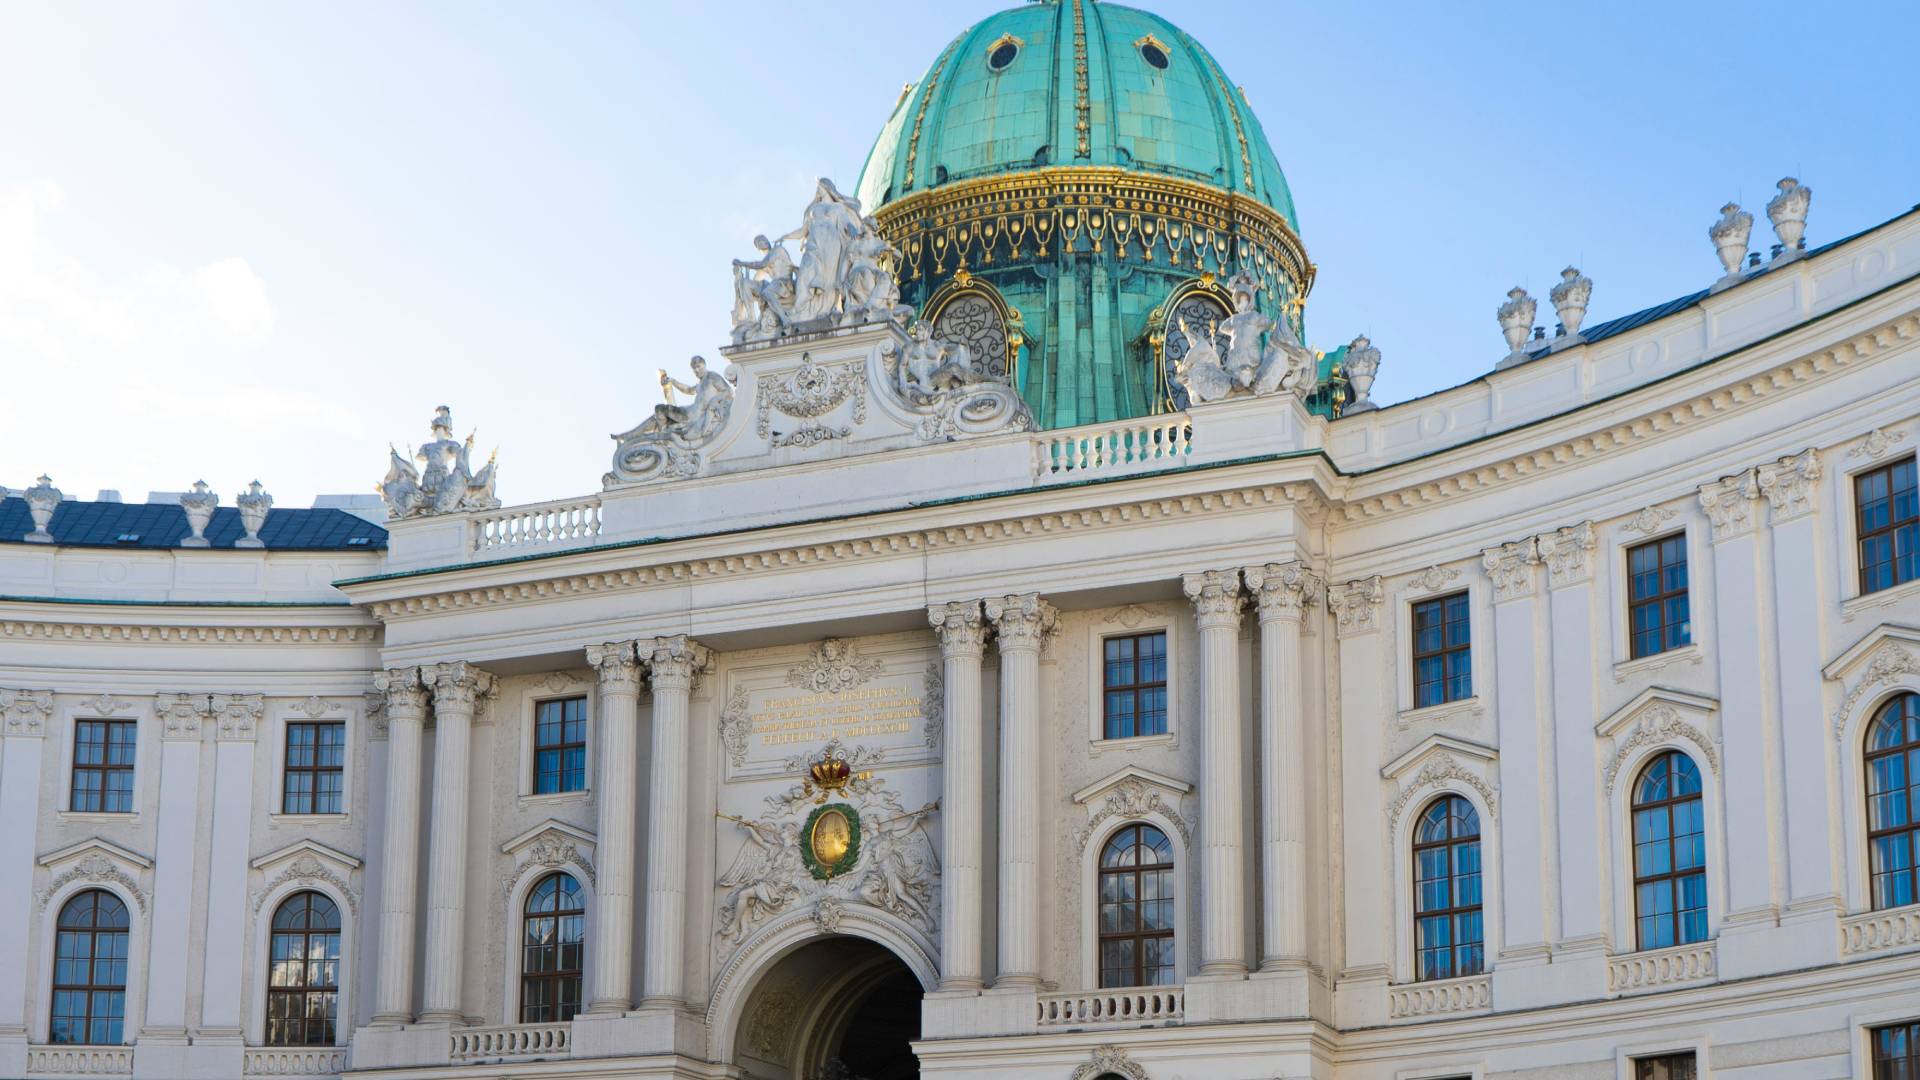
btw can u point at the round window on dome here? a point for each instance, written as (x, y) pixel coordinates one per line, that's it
(1154, 54)
(1001, 56)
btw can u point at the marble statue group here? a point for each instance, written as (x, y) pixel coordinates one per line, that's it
(844, 277)
(1262, 356)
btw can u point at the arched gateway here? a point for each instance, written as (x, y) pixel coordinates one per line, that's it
(801, 1002)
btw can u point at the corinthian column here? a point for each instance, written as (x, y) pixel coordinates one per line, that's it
(673, 663)
(1283, 591)
(400, 848)
(457, 690)
(962, 632)
(1217, 600)
(1020, 623)
(617, 798)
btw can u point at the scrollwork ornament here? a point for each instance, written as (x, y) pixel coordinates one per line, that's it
(1510, 566)
(1789, 484)
(1356, 606)
(94, 868)
(1877, 442)
(1565, 552)
(1021, 621)
(1110, 1061)
(736, 725)
(26, 711)
(1659, 724)
(810, 392)
(833, 666)
(1728, 503)
(1891, 662)
(1439, 769)
(307, 870)
(1132, 798)
(933, 704)
(1284, 590)
(1216, 596)
(1650, 520)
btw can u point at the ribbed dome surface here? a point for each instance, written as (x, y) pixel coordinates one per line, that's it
(1073, 82)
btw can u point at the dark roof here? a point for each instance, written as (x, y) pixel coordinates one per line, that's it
(164, 525)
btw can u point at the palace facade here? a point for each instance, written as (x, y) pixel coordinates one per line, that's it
(1025, 657)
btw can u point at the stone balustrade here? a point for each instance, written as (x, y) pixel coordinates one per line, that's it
(1124, 446)
(52, 1061)
(1880, 931)
(1138, 1006)
(1658, 969)
(1441, 997)
(537, 526)
(303, 1061)
(511, 1041)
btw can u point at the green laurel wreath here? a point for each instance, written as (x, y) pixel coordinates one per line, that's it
(818, 869)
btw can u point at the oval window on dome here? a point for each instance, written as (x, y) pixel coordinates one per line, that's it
(1154, 53)
(1002, 53)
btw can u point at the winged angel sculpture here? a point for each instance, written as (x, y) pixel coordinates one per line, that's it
(448, 483)
(1262, 356)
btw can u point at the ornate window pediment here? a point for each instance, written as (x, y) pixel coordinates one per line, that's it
(1436, 761)
(1658, 715)
(552, 844)
(95, 860)
(306, 862)
(1132, 792)
(1888, 655)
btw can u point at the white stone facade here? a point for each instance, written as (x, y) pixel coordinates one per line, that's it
(926, 588)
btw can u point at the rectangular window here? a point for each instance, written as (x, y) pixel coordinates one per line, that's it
(560, 746)
(1442, 651)
(1896, 1051)
(1664, 1067)
(1888, 507)
(316, 768)
(1134, 681)
(1657, 613)
(103, 766)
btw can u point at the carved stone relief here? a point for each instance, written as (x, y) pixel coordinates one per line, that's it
(1131, 798)
(94, 868)
(810, 394)
(307, 869)
(1440, 768)
(1659, 724)
(1890, 662)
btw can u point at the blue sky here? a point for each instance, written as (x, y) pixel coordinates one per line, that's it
(245, 240)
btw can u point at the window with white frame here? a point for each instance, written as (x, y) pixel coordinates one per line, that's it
(1449, 936)
(1669, 853)
(90, 971)
(1893, 786)
(552, 950)
(313, 776)
(1136, 908)
(303, 972)
(1134, 685)
(103, 752)
(560, 746)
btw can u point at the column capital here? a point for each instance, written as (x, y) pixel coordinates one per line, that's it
(1511, 568)
(961, 627)
(26, 712)
(1355, 605)
(406, 697)
(237, 716)
(457, 686)
(1788, 484)
(1216, 596)
(1728, 502)
(1565, 552)
(181, 715)
(674, 661)
(1022, 621)
(1283, 589)
(618, 666)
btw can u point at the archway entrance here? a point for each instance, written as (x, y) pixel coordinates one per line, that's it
(840, 1008)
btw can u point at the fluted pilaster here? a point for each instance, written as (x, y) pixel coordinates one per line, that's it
(673, 663)
(1021, 624)
(406, 708)
(458, 689)
(617, 799)
(1283, 591)
(1217, 602)
(962, 631)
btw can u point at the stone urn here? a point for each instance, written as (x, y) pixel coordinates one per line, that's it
(1570, 302)
(1788, 212)
(1516, 318)
(199, 504)
(1730, 235)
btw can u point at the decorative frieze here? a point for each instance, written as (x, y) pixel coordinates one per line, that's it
(1566, 551)
(1510, 566)
(1283, 590)
(1728, 502)
(1356, 605)
(1789, 484)
(26, 712)
(138, 633)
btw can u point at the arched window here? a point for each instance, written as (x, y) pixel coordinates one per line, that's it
(1893, 786)
(1449, 933)
(90, 971)
(1136, 908)
(551, 949)
(303, 972)
(1669, 853)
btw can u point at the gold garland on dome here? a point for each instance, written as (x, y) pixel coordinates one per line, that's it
(972, 223)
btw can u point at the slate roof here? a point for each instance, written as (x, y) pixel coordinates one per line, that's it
(164, 525)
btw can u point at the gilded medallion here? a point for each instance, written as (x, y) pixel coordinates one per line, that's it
(830, 844)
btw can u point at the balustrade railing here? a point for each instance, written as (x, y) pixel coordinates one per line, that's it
(300, 1061)
(511, 1041)
(1113, 447)
(1439, 997)
(1135, 1006)
(513, 529)
(53, 1061)
(1879, 931)
(1660, 968)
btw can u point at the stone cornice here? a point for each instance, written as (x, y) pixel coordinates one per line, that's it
(150, 634)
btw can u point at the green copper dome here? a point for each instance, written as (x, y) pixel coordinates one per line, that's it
(1154, 100)
(1069, 183)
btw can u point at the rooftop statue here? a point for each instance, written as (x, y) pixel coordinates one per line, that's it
(845, 275)
(671, 438)
(1201, 370)
(447, 485)
(928, 367)
(1262, 355)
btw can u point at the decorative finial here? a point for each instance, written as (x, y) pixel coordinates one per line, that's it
(199, 503)
(254, 504)
(1788, 212)
(1516, 319)
(1362, 363)
(42, 498)
(1730, 235)
(1570, 303)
